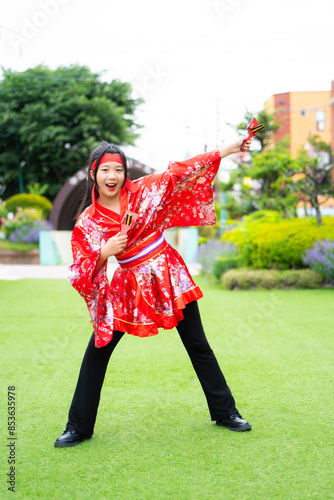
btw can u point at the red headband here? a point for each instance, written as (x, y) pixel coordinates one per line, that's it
(108, 157)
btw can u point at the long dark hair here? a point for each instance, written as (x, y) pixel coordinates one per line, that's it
(97, 154)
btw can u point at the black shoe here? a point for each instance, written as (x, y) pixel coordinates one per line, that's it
(235, 423)
(70, 438)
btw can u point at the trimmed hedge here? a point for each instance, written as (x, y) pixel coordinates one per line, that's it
(6, 245)
(277, 244)
(223, 264)
(245, 279)
(29, 201)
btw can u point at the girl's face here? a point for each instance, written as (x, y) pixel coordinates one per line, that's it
(110, 179)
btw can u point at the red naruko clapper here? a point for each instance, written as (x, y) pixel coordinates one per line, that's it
(253, 129)
(128, 222)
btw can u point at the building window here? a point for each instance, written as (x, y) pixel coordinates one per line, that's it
(320, 119)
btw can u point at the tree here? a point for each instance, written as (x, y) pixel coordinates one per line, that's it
(51, 119)
(269, 170)
(235, 209)
(309, 179)
(286, 180)
(265, 168)
(319, 145)
(282, 180)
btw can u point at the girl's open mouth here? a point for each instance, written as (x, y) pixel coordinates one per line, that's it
(111, 186)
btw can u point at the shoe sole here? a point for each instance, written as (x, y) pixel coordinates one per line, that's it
(63, 444)
(236, 429)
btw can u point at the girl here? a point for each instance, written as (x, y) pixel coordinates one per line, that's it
(152, 287)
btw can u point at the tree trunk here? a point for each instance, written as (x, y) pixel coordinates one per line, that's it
(317, 210)
(305, 208)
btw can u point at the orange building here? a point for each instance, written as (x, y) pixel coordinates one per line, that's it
(303, 114)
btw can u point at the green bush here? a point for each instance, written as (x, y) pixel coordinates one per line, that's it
(291, 278)
(264, 216)
(3, 210)
(277, 244)
(246, 279)
(23, 217)
(267, 279)
(223, 264)
(17, 247)
(310, 279)
(29, 201)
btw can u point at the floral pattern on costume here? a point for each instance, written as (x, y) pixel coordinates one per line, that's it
(151, 295)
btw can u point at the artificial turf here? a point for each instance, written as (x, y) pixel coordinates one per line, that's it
(153, 437)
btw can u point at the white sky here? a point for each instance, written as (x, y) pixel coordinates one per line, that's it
(199, 64)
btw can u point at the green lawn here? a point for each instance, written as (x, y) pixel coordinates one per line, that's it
(154, 438)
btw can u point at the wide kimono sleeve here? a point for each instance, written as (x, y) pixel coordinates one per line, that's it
(183, 194)
(86, 246)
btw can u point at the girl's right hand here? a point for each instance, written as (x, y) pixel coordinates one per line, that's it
(114, 245)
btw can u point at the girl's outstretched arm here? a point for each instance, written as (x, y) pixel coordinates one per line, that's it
(234, 147)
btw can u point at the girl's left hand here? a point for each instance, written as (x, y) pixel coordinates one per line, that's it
(234, 147)
(238, 144)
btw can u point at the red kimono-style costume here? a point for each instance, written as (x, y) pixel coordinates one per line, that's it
(152, 284)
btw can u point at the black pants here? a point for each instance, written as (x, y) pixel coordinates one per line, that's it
(83, 410)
